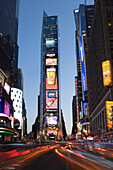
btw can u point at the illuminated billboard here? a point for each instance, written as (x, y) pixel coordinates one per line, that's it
(1, 105)
(51, 120)
(6, 108)
(51, 102)
(51, 75)
(84, 107)
(51, 93)
(50, 43)
(106, 73)
(51, 61)
(54, 132)
(50, 55)
(16, 97)
(82, 64)
(7, 88)
(109, 113)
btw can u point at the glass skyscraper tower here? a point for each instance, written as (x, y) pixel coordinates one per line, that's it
(49, 86)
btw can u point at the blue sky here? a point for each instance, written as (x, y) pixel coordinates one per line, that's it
(29, 41)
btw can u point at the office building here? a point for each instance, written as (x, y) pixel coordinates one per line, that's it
(83, 20)
(99, 58)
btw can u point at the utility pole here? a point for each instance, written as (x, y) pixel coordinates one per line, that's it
(85, 2)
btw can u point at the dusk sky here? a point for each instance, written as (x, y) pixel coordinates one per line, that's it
(29, 41)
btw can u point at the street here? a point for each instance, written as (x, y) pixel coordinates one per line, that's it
(61, 156)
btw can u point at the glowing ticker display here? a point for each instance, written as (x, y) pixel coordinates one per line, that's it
(50, 55)
(106, 73)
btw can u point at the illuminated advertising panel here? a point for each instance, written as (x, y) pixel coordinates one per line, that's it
(51, 120)
(51, 93)
(82, 63)
(109, 113)
(50, 55)
(51, 102)
(51, 75)
(51, 61)
(1, 105)
(7, 88)
(50, 43)
(84, 109)
(54, 132)
(78, 127)
(6, 108)
(106, 73)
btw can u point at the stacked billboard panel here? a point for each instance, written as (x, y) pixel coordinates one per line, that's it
(51, 65)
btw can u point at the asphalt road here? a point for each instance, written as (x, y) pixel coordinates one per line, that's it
(47, 160)
(56, 157)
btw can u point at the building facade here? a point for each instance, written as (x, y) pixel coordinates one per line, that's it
(49, 86)
(100, 50)
(83, 20)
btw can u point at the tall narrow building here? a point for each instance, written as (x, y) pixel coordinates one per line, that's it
(49, 87)
(83, 20)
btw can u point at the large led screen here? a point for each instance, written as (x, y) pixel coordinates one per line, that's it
(1, 105)
(51, 120)
(51, 102)
(109, 113)
(7, 88)
(51, 61)
(82, 63)
(51, 75)
(6, 108)
(106, 73)
(84, 110)
(54, 132)
(50, 43)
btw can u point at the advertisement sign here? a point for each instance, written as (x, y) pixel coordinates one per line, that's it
(51, 61)
(50, 55)
(84, 108)
(54, 132)
(51, 86)
(82, 64)
(78, 127)
(51, 93)
(50, 43)
(7, 88)
(109, 113)
(51, 75)
(1, 105)
(6, 108)
(106, 73)
(51, 102)
(51, 120)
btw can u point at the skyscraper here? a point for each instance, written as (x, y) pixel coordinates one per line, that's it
(83, 20)
(49, 86)
(9, 32)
